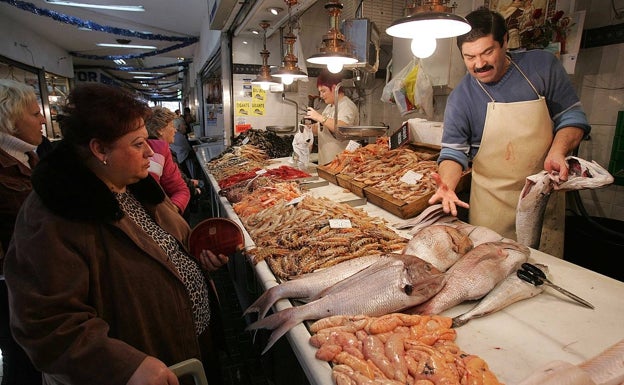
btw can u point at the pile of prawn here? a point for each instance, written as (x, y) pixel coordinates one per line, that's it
(396, 349)
(298, 239)
(236, 160)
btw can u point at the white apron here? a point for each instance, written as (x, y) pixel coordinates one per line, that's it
(516, 139)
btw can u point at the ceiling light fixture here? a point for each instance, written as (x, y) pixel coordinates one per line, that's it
(264, 78)
(334, 52)
(119, 62)
(426, 20)
(290, 71)
(126, 46)
(275, 10)
(129, 8)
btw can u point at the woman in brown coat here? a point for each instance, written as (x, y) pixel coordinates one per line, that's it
(101, 284)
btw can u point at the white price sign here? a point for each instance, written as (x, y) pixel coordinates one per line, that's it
(340, 223)
(411, 177)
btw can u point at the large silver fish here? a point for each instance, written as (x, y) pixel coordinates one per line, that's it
(607, 368)
(393, 283)
(476, 274)
(308, 286)
(440, 245)
(511, 290)
(538, 188)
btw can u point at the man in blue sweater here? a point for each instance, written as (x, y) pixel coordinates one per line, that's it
(513, 115)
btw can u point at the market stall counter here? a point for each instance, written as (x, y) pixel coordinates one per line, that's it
(514, 341)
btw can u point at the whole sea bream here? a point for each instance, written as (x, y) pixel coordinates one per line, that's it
(394, 283)
(440, 245)
(475, 274)
(538, 188)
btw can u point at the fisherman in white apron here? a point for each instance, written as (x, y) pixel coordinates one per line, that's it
(513, 115)
(330, 142)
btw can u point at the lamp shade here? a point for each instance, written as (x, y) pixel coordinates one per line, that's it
(439, 25)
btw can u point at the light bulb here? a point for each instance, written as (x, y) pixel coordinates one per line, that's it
(287, 79)
(265, 86)
(334, 67)
(423, 46)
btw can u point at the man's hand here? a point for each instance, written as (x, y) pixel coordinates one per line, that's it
(447, 196)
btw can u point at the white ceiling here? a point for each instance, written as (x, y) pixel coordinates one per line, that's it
(163, 17)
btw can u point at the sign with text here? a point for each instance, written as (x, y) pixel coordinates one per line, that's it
(399, 137)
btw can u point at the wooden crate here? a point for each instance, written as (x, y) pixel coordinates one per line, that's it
(403, 209)
(348, 183)
(327, 174)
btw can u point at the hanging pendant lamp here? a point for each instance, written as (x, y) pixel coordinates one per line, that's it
(290, 71)
(429, 17)
(264, 78)
(334, 52)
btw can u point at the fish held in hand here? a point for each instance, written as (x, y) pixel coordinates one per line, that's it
(394, 283)
(511, 290)
(439, 245)
(476, 274)
(538, 188)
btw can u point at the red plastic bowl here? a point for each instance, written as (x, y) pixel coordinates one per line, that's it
(219, 235)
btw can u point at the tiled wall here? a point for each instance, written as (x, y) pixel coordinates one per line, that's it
(600, 85)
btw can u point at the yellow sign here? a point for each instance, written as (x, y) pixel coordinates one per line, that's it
(257, 108)
(258, 94)
(242, 108)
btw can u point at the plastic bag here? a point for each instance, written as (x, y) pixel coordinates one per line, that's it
(302, 145)
(397, 83)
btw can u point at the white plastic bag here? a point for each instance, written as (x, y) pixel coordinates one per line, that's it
(302, 145)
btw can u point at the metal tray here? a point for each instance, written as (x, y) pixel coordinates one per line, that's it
(362, 131)
(280, 129)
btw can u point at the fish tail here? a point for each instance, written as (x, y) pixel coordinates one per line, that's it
(459, 321)
(280, 322)
(261, 305)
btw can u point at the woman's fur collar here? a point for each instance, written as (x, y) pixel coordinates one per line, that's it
(69, 189)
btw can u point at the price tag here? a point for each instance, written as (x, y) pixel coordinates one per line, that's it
(295, 201)
(399, 137)
(339, 224)
(411, 177)
(352, 146)
(246, 140)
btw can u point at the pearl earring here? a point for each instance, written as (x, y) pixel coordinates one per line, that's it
(104, 162)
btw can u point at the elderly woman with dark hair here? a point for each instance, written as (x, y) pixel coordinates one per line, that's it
(20, 134)
(101, 284)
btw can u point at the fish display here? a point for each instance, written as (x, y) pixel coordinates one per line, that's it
(308, 286)
(475, 274)
(394, 283)
(607, 368)
(440, 245)
(511, 290)
(538, 188)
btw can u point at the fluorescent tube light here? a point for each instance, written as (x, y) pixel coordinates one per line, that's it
(126, 46)
(145, 73)
(129, 8)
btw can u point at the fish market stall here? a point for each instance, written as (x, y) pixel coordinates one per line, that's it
(514, 341)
